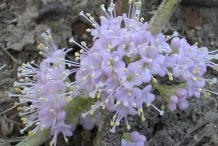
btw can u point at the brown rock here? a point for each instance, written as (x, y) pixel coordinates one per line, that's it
(191, 18)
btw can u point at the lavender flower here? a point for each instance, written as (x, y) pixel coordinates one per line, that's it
(118, 72)
(121, 59)
(88, 122)
(45, 87)
(189, 64)
(115, 70)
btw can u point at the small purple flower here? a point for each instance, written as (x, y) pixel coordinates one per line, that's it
(60, 127)
(89, 121)
(45, 87)
(118, 72)
(118, 63)
(129, 76)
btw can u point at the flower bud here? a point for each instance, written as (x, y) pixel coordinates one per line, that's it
(175, 43)
(183, 105)
(181, 92)
(123, 142)
(173, 99)
(171, 107)
(134, 136)
(142, 138)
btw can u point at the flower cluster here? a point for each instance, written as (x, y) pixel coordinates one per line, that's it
(118, 72)
(188, 64)
(120, 60)
(126, 61)
(44, 86)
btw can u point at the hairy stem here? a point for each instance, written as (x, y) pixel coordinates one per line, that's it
(161, 17)
(37, 139)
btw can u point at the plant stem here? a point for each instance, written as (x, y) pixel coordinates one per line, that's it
(37, 139)
(161, 17)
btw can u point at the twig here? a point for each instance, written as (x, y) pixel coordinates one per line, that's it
(12, 58)
(201, 134)
(209, 118)
(8, 110)
(2, 67)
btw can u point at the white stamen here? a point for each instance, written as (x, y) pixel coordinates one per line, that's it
(126, 103)
(116, 58)
(160, 111)
(175, 33)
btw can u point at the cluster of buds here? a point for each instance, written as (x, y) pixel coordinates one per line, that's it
(133, 139)
(178, 100)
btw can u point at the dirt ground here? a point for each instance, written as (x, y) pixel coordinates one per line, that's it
(22, 22)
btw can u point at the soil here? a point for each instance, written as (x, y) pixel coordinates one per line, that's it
(22, 22)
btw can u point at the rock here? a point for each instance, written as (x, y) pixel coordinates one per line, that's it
(191, 18)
